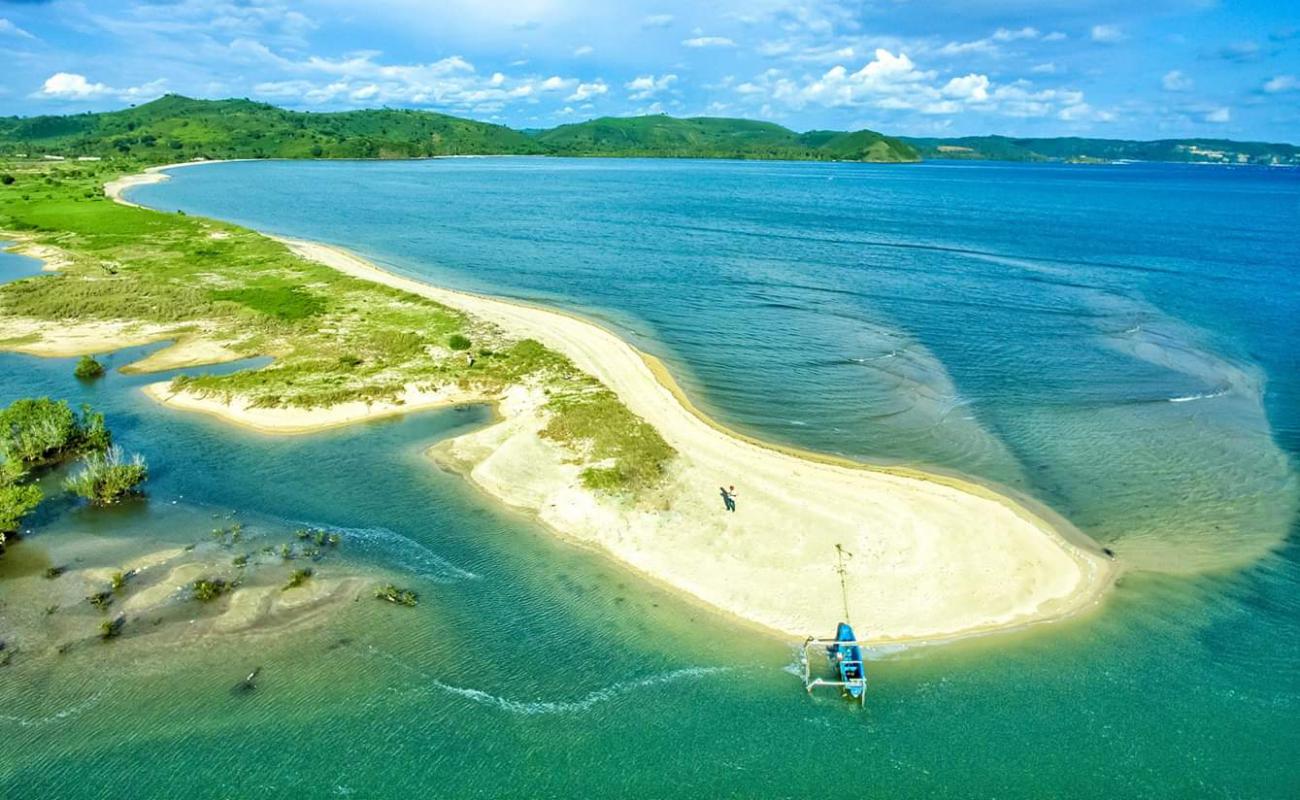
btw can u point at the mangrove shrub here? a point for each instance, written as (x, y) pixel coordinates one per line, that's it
(107, 477)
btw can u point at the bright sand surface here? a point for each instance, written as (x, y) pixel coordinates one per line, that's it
(933, 556)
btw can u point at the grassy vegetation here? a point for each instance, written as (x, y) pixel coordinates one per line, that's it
(108, 477)
(334, 338)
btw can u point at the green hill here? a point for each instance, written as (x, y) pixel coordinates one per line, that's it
(716, 137)
(175, 128)
(1075, 149)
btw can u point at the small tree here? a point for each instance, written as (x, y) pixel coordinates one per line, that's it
(107, 477)
(88, 369)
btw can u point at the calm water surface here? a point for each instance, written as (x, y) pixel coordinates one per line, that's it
(1118, 342)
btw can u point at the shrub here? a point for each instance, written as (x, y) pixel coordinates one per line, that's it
(297, 578)
(208, 589)
(111, 627)
(88, 368)
(106, 477)
(38, 430)
(7, 179)
(16, 501)
(401, 597)
(458, 342)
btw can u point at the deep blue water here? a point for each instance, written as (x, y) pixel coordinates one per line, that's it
(1119, 342)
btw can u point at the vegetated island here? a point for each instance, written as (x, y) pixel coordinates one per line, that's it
(593, 438)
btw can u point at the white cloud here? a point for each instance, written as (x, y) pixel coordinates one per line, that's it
(1219, 115)
(1282, 83)
(586, 91)
(1055, 36)
(555, 84)
(709, 41)
(1175, 81)
(1046, 68)
(1004, 35)
(71, 86)
(1107, 34)
(10, 29)
(646, 86)
(974, 88)
(585, 50)
(657, 21)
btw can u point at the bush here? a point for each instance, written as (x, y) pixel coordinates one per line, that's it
(88, 368)
(458, 342)
(7, 179)
(16, 501)
(38, 430)
(106, 477)
(297, 578)
(401, 597)
(208, 589)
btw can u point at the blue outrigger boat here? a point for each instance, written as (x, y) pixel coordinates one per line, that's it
(844, 653)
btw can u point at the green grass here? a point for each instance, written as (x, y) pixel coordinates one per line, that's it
(333, 338)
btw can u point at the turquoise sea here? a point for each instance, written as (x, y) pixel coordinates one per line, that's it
(1119, 342)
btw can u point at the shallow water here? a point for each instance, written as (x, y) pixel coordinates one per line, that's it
(1119, 342)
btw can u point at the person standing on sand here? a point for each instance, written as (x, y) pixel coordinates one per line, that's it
(727, 503)
(731, 498)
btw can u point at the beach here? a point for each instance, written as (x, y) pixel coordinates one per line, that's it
(933, 557)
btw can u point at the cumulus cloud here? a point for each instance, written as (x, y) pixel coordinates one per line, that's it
(451, 82)
(657, 21)
(709, 41)
(644, 87)
(1218, 115)
(586, 91)
(893, 82)
(1175, 81)
(1107, 34)
(72, 86)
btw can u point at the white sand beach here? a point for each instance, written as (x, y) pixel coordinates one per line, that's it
(934, 557)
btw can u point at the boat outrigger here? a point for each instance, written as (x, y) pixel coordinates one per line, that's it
(844, 652)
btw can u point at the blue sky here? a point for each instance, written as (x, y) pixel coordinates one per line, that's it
(1115, 68)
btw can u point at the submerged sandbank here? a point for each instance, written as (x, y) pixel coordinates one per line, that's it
(934, 556)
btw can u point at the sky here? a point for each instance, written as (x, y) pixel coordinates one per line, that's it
(1109, 68)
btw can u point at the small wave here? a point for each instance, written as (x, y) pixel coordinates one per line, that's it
(399, 551)
(602, 695)
(1204, 396)
(70, 711)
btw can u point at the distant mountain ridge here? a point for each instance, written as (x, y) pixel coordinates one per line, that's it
(175, 128)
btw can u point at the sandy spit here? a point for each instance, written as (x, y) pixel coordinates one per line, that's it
(934, 557)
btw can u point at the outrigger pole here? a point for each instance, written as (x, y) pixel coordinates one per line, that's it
(843, 571)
